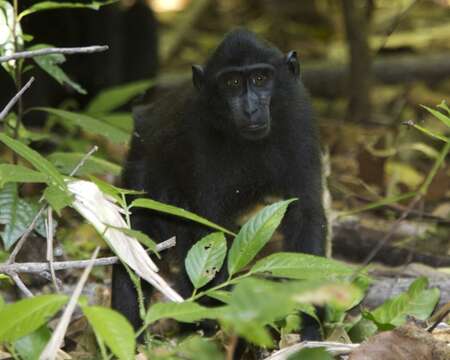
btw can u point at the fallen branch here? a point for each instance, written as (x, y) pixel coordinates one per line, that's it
(334, 348)
(39, 267)
(329, 79)
(49, 51)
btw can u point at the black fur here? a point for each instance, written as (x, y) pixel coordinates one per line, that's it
(186, 152)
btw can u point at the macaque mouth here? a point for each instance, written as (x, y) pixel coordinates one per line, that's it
(254, 127)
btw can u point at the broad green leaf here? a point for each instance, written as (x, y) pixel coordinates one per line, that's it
(221, 295)
(17, 214)
(25, 316)
(198, 348)
(362, 330)
(253, 332)
(66, 162)
(113, 191)
(173, 210)
(53, 5)
(253, 305)
(19, 173)
(30, 346)
(57, 198)
(185, 312)
(205, 258)
(255, 234)
(50, 64)
(37, 160)
(112, 328)
(438, 115)
(318, 353)
(89, 124)
(139, 236)
(114, 97)
(418, 301)
(261, 301)
(301, 266)
(123, 121)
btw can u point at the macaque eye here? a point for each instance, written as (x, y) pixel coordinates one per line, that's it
(233, 82)
(259, 79)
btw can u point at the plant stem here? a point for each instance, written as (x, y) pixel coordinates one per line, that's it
(230, 281)
(17, 79)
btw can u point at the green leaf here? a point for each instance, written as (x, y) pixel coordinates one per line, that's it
(254, 304)
(53, 5)
(185, 312)
(139, 236)
(16, 214)
(362, 330)
(221, 295)
(89, 124)
(123, 121)
(438, 115)
(255, 234)
(113, 191)
(31, 346)
(301, 266)
(432, 134)
(443, 106)
(198, 348)
(112, 328)
(318, 353)
(38, 161)
(418, 301)
(50, 64)
(57, 198)
(114, 97)
(261, 301)
(205, 258)
(173, 210)
(19, 173)
(66, 162)
(26, 316)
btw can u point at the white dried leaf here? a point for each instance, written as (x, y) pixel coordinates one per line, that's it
(99, 210)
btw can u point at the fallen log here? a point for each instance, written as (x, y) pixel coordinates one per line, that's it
(328, 79)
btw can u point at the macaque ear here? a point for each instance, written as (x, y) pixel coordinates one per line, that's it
(198, 76)
(293, 64)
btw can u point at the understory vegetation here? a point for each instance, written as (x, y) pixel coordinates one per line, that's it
(48, 175)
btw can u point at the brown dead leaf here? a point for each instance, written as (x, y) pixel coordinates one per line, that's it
(408, 342)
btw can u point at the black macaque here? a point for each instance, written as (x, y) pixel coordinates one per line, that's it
(243, 131)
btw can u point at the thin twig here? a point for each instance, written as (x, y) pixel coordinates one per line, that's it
(39, 267)
(14, 100)
(49, 257)
(20, 284)
(31, 227)
(49, 51)
(24, 237)
(57, 338)
(420, 194)
(83, 160)
(388, 236)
